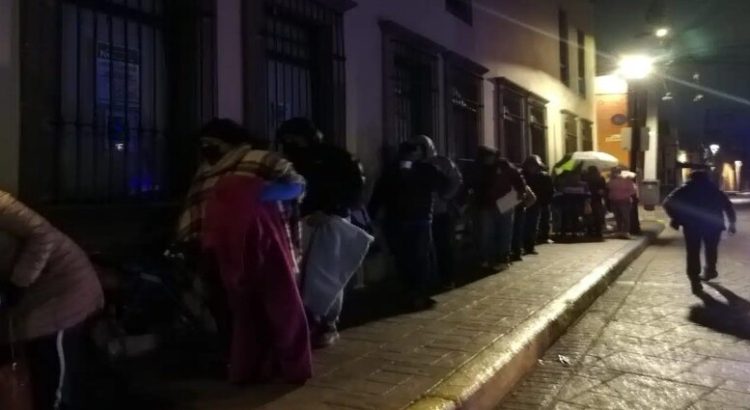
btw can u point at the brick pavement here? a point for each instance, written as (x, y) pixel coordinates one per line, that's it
(647, 343)
(389, 363)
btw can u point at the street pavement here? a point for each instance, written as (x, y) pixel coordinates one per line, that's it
(648, 343)
(389, 363)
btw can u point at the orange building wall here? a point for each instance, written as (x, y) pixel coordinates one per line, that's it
(608, 134)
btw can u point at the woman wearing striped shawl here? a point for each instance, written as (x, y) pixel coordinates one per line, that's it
(234, 214)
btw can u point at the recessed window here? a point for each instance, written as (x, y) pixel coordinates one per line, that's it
(461, 9)
(562, 17)
(582, 86)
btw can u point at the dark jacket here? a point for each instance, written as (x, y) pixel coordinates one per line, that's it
(700, 205)
(542, 186)
(407, 194)
(335, 179)
(495, 181)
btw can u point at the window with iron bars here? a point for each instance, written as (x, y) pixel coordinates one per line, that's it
(517, 123)
(587, 135)
(464, 107)
(538, 127)
(305, 66)
(114, 89)
(562, 17)
(412, 102)
(582, 86)
(571, 132)
(461, 9)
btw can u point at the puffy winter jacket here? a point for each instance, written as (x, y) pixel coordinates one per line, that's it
(60, 286)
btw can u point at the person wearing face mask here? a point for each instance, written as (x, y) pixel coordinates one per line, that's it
(235, 216)
(336, 248)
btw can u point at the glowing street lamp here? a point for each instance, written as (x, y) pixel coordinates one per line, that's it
(635, 67)
(661, 32)
(714, 148)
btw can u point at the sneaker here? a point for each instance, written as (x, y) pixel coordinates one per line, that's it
(709, 274)
(324, 336)
(696, 288)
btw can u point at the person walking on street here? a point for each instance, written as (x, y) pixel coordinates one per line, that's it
(621, 192)
(541, 185)
(699, 208)
(445, 213)
(406, 193)
(335, 183)
(49, 290)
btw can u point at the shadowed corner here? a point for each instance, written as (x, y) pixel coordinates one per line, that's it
(731, 318)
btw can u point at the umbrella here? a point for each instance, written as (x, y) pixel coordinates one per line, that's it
(584, 159)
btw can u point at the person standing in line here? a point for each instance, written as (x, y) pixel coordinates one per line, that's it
(445, 214)
(235, 217)
(699, 208)
(512, 240)
(49, 290)
(598, 189)
(406, 193)
(335, 184)
(541, 184)
(621, 192)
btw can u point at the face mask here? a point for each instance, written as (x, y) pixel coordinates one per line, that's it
(211, 153)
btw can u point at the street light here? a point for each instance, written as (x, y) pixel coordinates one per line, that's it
(661, 32)
(635, 67)
(714, 148)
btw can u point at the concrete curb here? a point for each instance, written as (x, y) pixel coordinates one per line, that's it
(484, 380)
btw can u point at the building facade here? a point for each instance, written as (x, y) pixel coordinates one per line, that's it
(105, 97)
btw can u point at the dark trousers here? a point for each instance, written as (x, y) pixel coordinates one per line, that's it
(443, 231)
(544, 223)
(531, 230)
(414, 252)
(54, 366)
(635, 221)
(694, 239)
(596, 222)
(519, 223)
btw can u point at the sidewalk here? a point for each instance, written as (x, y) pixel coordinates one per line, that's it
(648, 343)
(471, 348)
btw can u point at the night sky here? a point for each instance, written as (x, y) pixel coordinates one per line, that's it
(710, 38)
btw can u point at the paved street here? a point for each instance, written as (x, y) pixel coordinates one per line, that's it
(647, 343)
(389, 363)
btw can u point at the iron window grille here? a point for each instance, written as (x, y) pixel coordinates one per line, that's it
(571, 132)
(522, 121)
(582, 86)
(412, 92)
(304, 73)
(538, 127)
(464, 106)
(587, 135)
(104, 89)
(462, 9)
(563, 27)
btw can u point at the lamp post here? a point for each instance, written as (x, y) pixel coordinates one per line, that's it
(635, 69)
